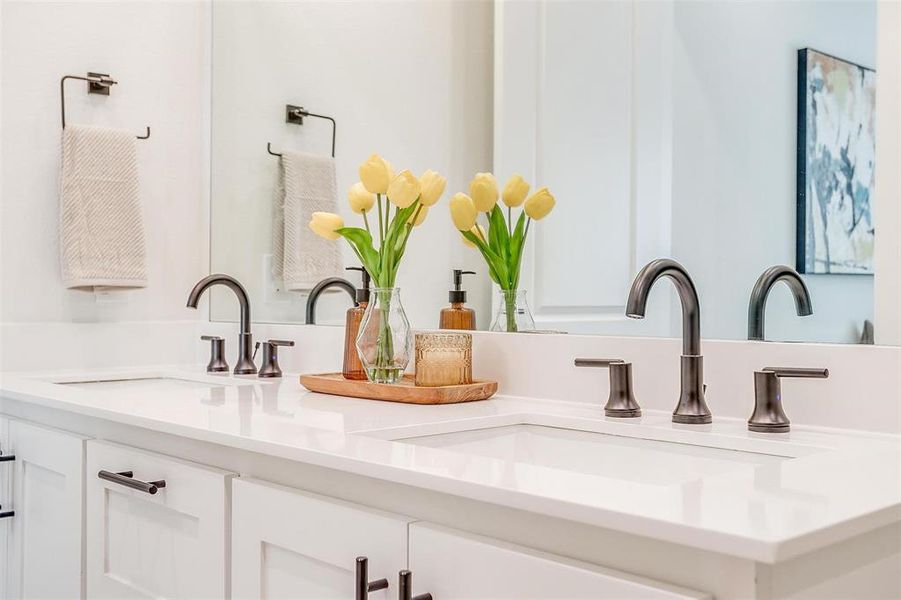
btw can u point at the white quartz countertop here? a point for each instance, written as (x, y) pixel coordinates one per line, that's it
(827, 485)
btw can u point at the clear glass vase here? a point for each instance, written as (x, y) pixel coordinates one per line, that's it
(513, 312)
(385, 340)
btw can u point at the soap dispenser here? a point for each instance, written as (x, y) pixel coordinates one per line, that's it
(457, 315)
(353, 368)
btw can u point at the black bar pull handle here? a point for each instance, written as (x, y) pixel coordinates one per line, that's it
(127, 479)
(405, 588)
(362, 585)
(5, 514)
(7, 457)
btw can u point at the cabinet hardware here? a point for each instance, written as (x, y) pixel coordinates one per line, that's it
(7, 457)
(405, 588)
(126, 478)
(6, 514)
(362, 585)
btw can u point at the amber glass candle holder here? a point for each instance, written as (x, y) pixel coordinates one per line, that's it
(443, 359)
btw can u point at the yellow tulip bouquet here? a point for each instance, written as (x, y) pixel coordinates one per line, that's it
(411, 197)
(502, 243)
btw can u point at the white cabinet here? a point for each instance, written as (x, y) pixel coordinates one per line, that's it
(45, 535)
(170, 544)
(5, 505)
(453, 565)
(289, 544)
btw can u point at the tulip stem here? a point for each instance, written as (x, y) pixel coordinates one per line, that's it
(410, 227)
(366, 221)
(509, 221)
(479, 233)
(381, 227)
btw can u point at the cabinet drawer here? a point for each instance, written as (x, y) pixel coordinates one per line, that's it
(453, 565)
(169, 544)
(291, 544)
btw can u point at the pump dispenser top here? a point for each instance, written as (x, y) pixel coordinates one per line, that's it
(363, 293)
(458, 294)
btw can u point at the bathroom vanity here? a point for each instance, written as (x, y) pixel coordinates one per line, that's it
(702, 144)
(181, 484)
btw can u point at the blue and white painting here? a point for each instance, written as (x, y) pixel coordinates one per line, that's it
(836, 159)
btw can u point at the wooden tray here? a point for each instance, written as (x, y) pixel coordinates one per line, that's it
(405, 391)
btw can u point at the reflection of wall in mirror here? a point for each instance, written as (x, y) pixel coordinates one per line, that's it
(421, 99)
(734, 179)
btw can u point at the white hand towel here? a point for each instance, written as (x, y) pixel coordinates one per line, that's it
(306, 185)
(101, 228)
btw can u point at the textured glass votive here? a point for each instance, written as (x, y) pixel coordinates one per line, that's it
(443, 359)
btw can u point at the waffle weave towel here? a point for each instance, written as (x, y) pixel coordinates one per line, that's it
(101, 227)
(306, 185)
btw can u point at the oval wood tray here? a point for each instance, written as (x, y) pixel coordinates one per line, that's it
(404, 391)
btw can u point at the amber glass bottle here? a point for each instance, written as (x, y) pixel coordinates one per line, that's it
(458, 315)
(353, 368)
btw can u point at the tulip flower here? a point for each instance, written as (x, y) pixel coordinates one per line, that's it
(483, 190)
(540, 204)
(325, 225)
(376, 173)
(432, 187)
(418, 216)
(463, 211)
(515, 191)
(361, 200)
(380, 250)
(404, 189)
(477, 231)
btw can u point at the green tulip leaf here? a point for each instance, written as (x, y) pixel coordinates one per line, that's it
(361, 241)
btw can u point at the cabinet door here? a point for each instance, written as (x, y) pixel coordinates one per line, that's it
(289, 544)
(453, 565)
(6, 499)
(45, 535)
(171, 544)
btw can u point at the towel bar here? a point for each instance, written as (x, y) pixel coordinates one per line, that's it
(98, 83)
(295, 115)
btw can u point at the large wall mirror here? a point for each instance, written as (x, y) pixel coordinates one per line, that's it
(730, 136)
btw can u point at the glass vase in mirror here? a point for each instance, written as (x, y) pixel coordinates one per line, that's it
(385, 340)
(513, 312)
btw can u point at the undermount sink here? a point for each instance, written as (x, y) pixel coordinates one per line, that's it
(154, 384)
(594, 453)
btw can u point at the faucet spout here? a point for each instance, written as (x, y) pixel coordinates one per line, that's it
(692, 407)
(323, 285)
(757, 303)
(637, 303)
(245, 365)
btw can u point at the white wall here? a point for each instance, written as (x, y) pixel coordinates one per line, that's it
(888, 180)
(734, 198)
(408, 80)
(158, 52)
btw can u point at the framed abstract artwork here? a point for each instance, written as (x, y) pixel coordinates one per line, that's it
(836, 161)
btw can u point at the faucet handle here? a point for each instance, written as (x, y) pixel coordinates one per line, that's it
(768, 415)
(270, 366)
(797, 372)
(217, 362)
(621, 402)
